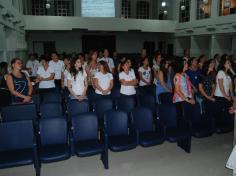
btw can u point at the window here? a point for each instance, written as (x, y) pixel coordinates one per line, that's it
(38, 7)
(184, 11)
(227, 7)
(203, 9)
(63, 8)
(142, 9)
(126, 8)
(98, 8)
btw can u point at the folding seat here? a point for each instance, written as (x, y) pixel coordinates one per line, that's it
(5, 97)
(76, 107)
(19, 112)
(54, 140)
(100, 107)
(149, 101)
(50, 110)
(85, 137)
(125, 103)
(18, 145)
(202, 125)
(120, 138)
(223, 121)
(148, 133)
(166, 98)
(177, 130)
(51, 97)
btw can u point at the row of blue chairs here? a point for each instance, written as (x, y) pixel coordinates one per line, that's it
(56, 142)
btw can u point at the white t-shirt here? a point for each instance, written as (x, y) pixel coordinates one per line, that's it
(103, 81)
(58, 68)
(65, 73)
(146, 74)
(78, 85)
(226, 82)
(109, 61)
(33, 65)
(127, 90)
(45, 74)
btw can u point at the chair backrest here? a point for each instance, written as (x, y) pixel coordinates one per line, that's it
(142, 119)
(168, 115)
(148, 101)
(166, 98)
(102, 105)
(85, 127)
(116, 122)
(49, 110)
(76, 107)
(192, 112)
(53, 131)
(125, 103)
(6, 96)
(52, 97)
(16, 135)
(19, 112)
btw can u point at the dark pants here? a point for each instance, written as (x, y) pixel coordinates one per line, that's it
(58, 84)
(43, 91)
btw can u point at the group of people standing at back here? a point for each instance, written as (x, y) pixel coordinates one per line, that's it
(189, 79)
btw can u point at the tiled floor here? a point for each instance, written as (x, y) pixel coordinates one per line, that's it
(207, 158)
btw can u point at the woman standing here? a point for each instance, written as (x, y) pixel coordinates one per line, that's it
(224, 86)
(163, 83)
(45, 77)
(64, 73)
(103, 80)
(19, 84)
(206, 82)
(92, 67)
(182, 84)
(3, 74)
(77, 81)
(156, 66)
(128, 80)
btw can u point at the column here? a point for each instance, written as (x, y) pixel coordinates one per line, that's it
(193, 7)
(215, 8)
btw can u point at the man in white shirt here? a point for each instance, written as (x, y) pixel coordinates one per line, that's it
(57, 65)
(32, 65)
(109, 60)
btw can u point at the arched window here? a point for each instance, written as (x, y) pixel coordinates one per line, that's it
(142, 9)
(203, 9)
(184, 11)
(125, 8)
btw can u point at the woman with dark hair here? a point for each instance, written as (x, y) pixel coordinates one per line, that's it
(224, 86)
(201, 61)
(103, 80)
(3, 74)
(65, 72)
(193, 72)
(92, 67)
(45, 77)
(127, 79)
(206, 83)
(156, 65)
(163, 83)
(145, 74)
(182, 84)
(77, 80)
(19, 84)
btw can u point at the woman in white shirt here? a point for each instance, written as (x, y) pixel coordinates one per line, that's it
(128, 80)
(224, 86)
(103, 80)
(77, 81)
(45, 77)
(145, 73)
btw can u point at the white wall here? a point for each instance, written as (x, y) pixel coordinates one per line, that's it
(71, 41)
(12, 35)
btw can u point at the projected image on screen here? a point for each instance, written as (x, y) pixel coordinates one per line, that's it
(98, 8)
